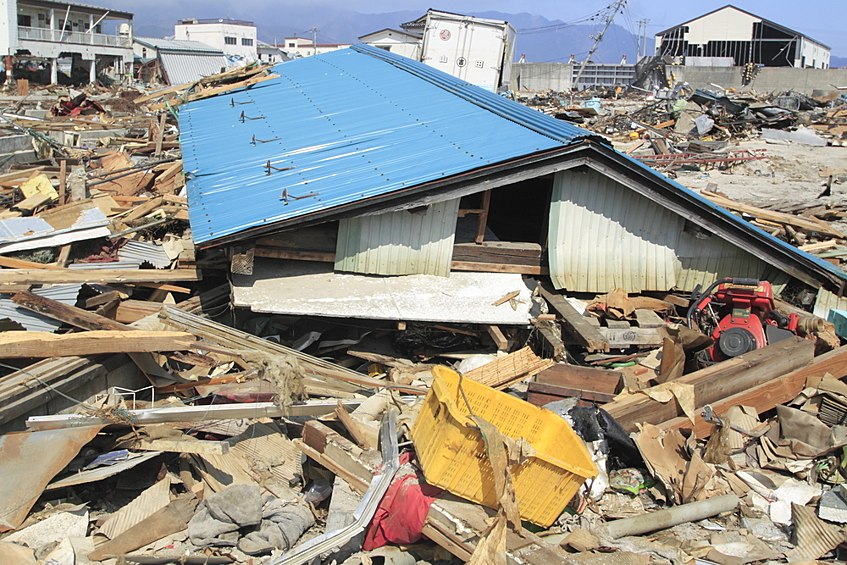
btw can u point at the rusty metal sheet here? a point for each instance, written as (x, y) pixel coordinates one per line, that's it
(28, 460)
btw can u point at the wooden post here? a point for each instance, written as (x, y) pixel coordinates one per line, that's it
(483, 217)
(63, 181)
(160, 134)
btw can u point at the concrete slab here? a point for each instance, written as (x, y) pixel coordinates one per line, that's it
(314, 289)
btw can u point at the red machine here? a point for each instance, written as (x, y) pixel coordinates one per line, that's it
(740, 316)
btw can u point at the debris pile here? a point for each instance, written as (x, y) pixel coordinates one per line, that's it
(663, 390)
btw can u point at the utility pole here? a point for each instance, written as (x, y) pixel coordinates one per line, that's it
(613, 10)
(314, 31)
(642, 38)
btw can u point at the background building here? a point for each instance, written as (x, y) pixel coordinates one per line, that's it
(173, 62)
(43, 36)
(400, 42)
(745, 37)
(233, 37)
(306, 47)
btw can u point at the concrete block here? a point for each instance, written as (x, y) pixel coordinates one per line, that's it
(13, 143)
(832, 507)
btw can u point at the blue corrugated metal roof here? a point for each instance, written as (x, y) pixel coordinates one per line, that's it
(344, 126)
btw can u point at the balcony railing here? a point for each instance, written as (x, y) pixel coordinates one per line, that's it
(75, 37)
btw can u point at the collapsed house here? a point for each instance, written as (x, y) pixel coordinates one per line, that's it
(365, 163)
(175, 62)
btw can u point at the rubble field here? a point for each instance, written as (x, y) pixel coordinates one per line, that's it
(151, 413)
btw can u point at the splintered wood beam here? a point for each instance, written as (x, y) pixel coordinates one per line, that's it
(46, 344)
(546, 329)
(12, 263)
(172, 518)
(498, 337)
(351, 426)
(68, 276)
(68, 314)
(574, 323)
(717, 382)
(769, 394)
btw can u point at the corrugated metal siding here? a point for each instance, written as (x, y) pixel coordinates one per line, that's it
(188, 67)
(399, 243)
(827, 301)
(346, 126)
(603, 235)
(32, 321)
(139, 252)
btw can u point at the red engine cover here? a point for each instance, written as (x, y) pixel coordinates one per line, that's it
(741, 328)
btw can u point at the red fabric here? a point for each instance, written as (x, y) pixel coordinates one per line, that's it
(401, 514)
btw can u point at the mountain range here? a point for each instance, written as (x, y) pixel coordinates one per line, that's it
(555, 44)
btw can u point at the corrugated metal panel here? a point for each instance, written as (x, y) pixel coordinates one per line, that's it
(177, 45)
(139, 252)
(28, 460)
(65, 293)
(345, 126)
(827, 301)
(188, 67)
(399, 243)
(603, 236)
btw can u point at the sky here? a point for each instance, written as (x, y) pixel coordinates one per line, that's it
(823, 20)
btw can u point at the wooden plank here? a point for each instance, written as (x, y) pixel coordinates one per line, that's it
(500, 252)
(197, 446)
(67, 314)
(212, 92)
(505, 370)
(46, 344)
(575, 324)
(351, 426)
(143, 209)
(130, 311)
(274, 253)
(549, 331)
(164, 286)
(624, 338)
(506, 298)
(540, 394)
(498, 268)
(773, 216)
(66, 276)
(717, 382)
(12, 263)
(171, 519)
(583, 378)
(497, 337)
(768, 395)
(648, 319)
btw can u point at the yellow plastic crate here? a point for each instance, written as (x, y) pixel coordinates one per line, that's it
(452, 454)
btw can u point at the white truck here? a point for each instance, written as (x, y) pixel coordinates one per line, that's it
(476, 50)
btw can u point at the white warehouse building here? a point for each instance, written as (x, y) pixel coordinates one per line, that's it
(730, 32)
(233, 37)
